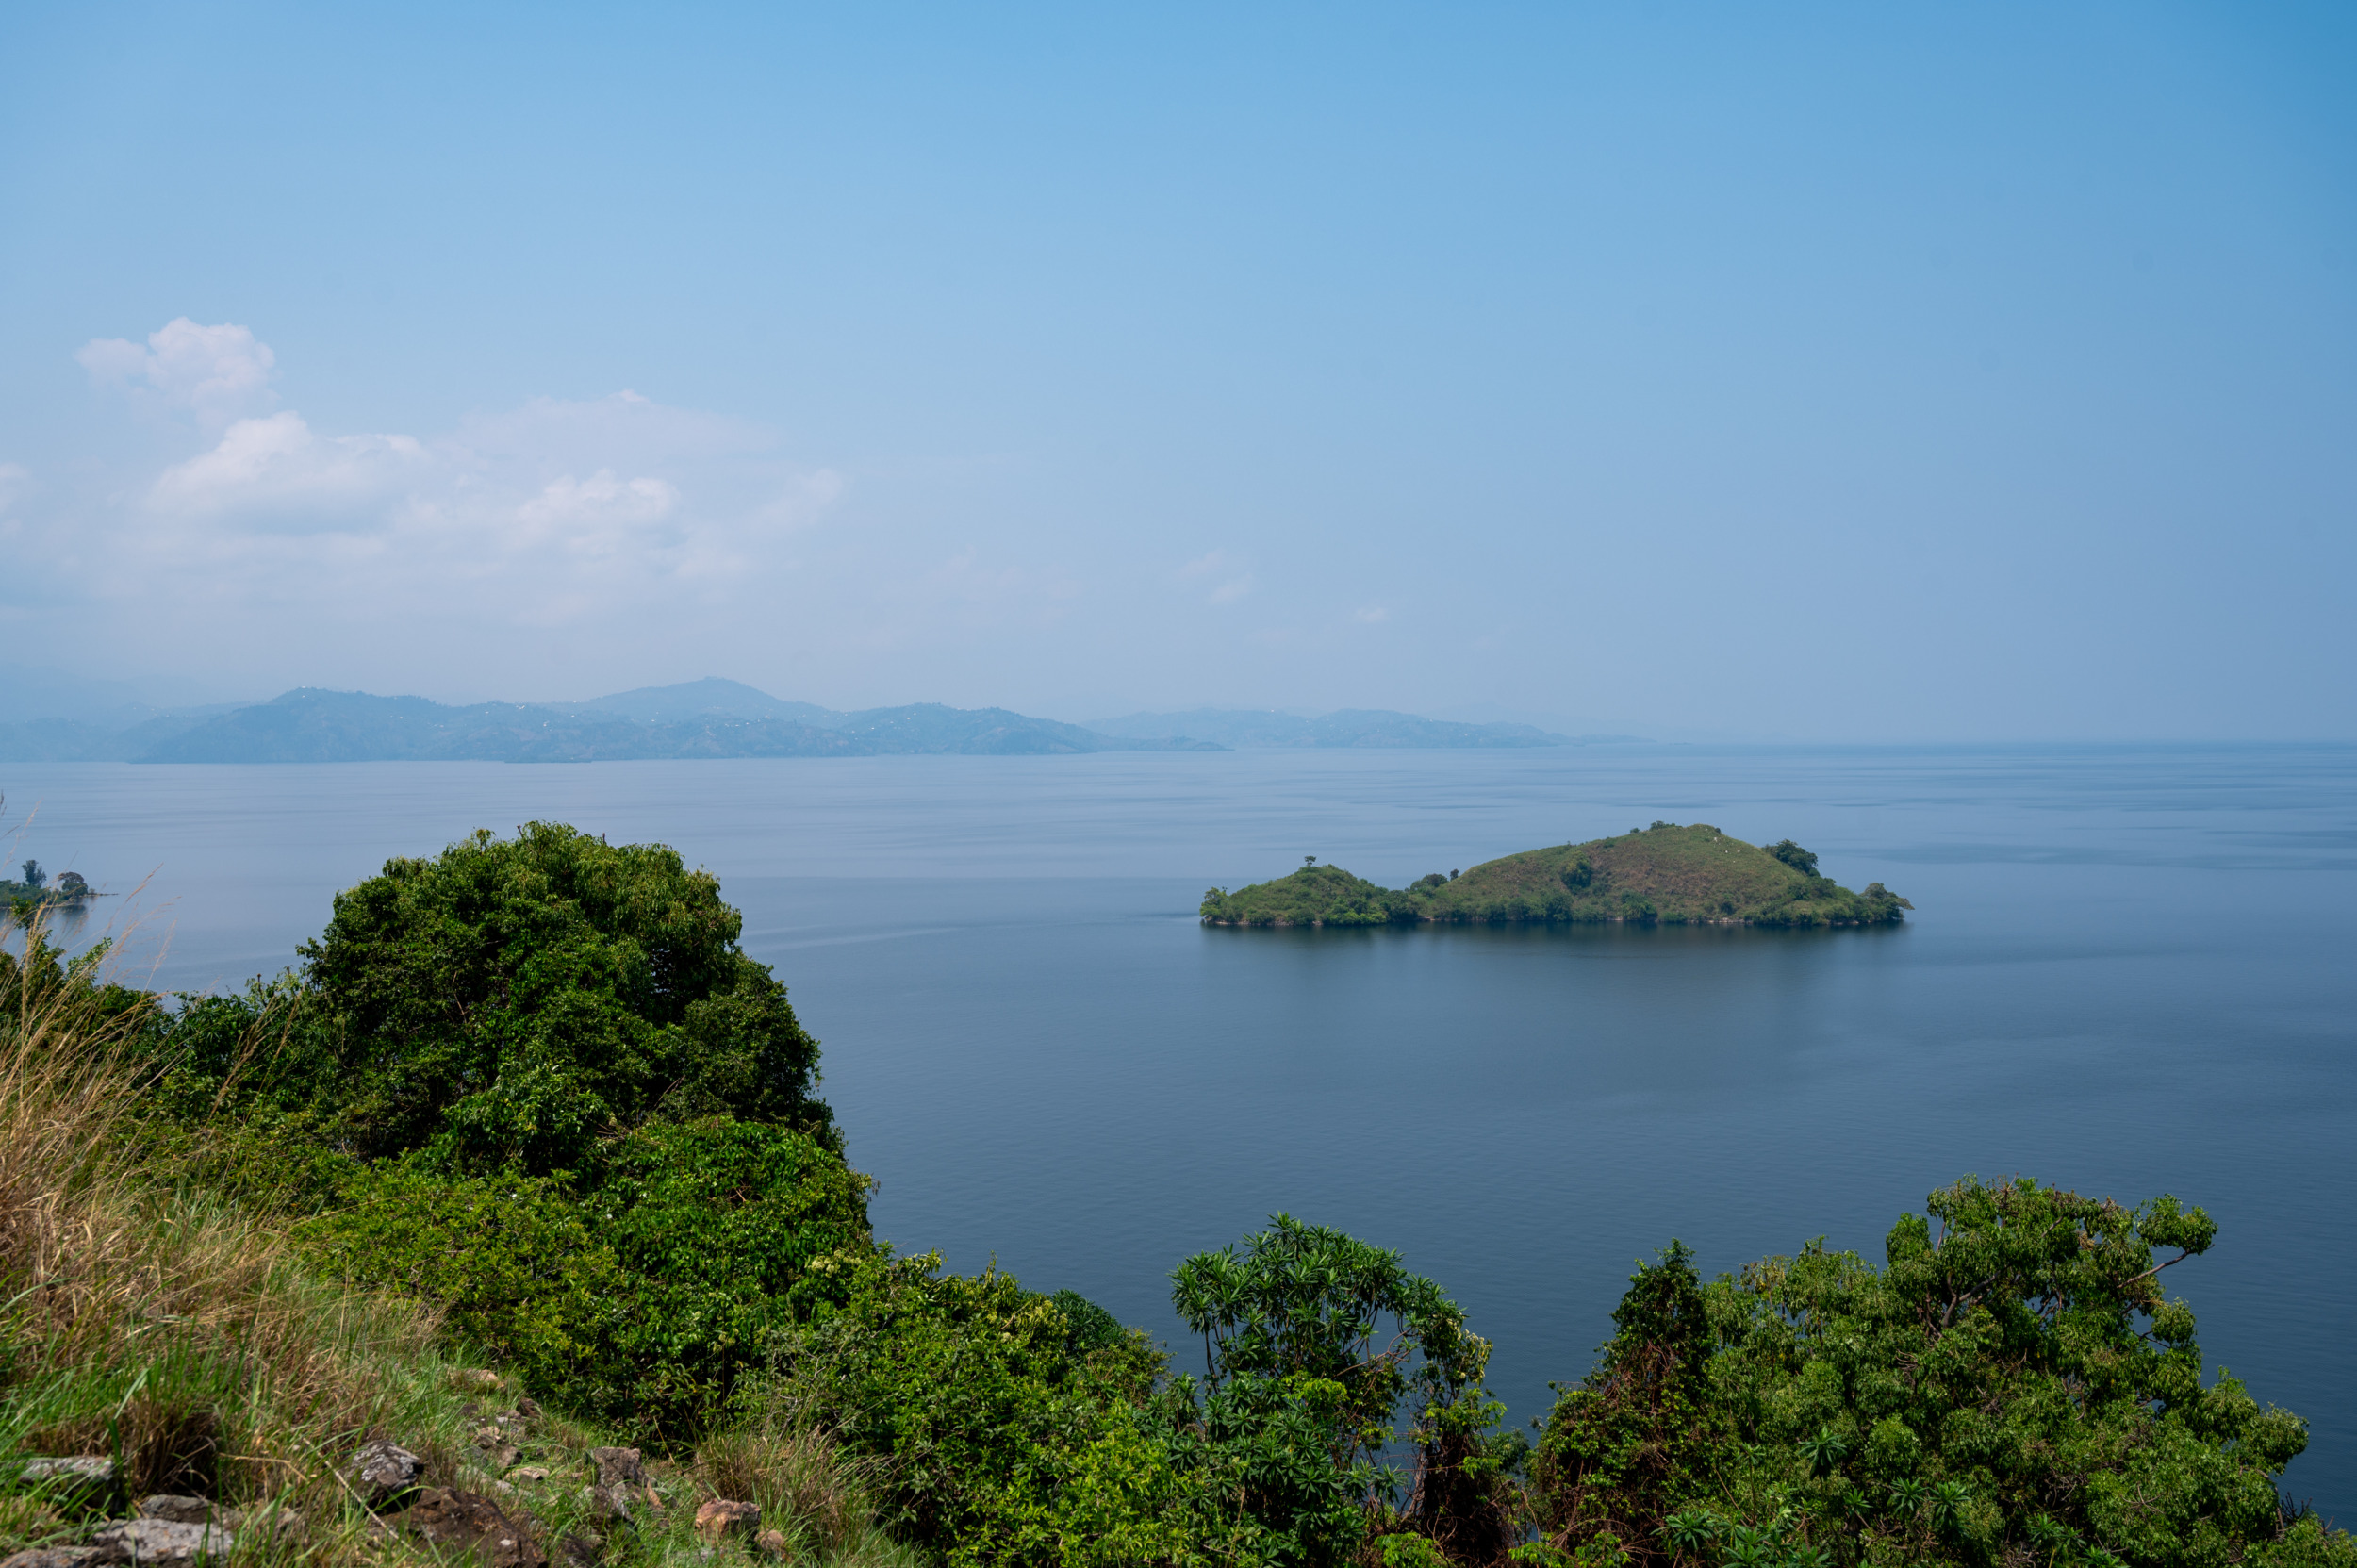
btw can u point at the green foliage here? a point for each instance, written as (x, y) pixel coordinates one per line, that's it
(1643, 1433)
(643, 1302)
(1298, 1402)
(1667, 874)
(1009, 1437)
(535, 1082)
(509, 1001)
(1313, 896)
(39, 982)
(2013, 1386)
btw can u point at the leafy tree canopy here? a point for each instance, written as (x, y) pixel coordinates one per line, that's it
(507, 1003)
(2013, 1386)
(1302, 1386)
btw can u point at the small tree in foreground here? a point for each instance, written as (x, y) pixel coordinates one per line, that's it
(1301, 1388)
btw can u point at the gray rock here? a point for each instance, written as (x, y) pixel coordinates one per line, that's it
(622, 1482)
(473, 1523)
(80, 1471)
(63, 1557)
(607, 1502)
(179, 1509)
(619, 1466)
(382, 1471)
(163, 1542)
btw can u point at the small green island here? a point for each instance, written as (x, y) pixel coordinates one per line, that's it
(37, 888)
(1662, 875)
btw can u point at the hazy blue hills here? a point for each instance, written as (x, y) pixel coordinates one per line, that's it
(1374, 728)
(711, 717)
(119, 736)
(708, 697)
(704, 719)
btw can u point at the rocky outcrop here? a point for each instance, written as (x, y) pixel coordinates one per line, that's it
(164, 1543)
(720, 1520)
(469, 1521)
(60, 1556)
(76, 1475)
(383, 1472)
(621, 1483)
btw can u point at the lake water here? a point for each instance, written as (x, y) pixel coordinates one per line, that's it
(2130, 972)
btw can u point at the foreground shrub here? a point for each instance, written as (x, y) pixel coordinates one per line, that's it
(1009, 1430)
(1287, 1431)
(509, 1004)
(2012, 1386)
(535, 1085)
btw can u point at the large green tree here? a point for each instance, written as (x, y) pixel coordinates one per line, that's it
(537, 1081)
(512, 1000)
(2013, 1387)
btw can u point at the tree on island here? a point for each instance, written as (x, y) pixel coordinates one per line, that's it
(34, 875)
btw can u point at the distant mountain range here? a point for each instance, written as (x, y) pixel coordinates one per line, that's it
(711, 717)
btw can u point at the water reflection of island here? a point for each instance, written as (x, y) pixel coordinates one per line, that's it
(59, 921)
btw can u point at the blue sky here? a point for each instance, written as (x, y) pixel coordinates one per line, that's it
(1814, 372)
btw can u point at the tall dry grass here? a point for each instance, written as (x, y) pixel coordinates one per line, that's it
(157, 1326)
(179, 1334)
(821, 1499)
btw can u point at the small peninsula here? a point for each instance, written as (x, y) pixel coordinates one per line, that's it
(1662, 875)
(38, 889)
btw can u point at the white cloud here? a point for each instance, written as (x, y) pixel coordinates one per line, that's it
(1219, 563)
(601, 501)
(14, 477)
(277, 468)
(1372, 615)
(549, 513)
(217, 372)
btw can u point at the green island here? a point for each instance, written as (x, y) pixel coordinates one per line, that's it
(36, 890)
(508, 1228)
(1665, 875)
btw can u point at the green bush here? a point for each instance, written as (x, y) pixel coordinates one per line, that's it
(641, 1301)
(1013, 1434)
(535, 1082)
(2012, 1386)
(1288, 1434)
(509, 1002)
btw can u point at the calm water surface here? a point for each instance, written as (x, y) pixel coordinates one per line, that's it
(2130, 972)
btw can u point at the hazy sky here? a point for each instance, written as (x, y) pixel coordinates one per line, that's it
(1852, 371)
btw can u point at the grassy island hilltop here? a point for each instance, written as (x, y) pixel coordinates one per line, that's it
(1665, 874)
